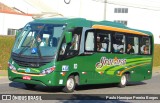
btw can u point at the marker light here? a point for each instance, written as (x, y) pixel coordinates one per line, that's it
(11, 67)
(48, 70)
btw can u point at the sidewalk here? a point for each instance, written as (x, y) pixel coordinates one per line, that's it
(3, 76)
(3, 73)
(156, 71)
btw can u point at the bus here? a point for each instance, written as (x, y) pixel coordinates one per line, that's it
(67, 52)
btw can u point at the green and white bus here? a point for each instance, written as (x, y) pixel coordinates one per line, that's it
(74, 51)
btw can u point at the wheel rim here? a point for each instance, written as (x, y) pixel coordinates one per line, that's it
(123, 80)
(70, 83)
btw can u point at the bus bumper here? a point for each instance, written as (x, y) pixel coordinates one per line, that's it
(51, 79)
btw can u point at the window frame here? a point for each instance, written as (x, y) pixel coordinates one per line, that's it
(65, 56)
(86, 33)
(150, 44)
(112, 42)
(109, 45)
(127, 42)
(121, 10)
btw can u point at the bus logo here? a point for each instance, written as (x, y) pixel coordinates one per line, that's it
(27, 70)
(110, 62)
(65, 68)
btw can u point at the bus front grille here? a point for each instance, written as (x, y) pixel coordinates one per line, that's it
(30, 64)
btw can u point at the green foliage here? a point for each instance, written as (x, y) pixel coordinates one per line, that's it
(6, 44)
(156, 61)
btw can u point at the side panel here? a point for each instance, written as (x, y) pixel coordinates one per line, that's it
(106, 67)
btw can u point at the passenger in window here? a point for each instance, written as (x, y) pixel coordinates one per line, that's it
(146, 50)
(75, 40)
(98, 39)
(121, 50)
(143, 46)
(99, 47)
(63, 48)
(42, 42)
(130, 49)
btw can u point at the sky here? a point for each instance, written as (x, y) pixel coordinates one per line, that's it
(20, 4)
(77, 8)
(57, 5)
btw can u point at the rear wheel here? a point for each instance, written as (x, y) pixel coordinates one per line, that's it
(123, 81)
(30, 86)
(70, 84)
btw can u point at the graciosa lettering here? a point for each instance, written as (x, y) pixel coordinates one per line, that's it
(110, 62)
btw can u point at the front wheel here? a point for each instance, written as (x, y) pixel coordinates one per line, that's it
(123, 81)
(70, 85)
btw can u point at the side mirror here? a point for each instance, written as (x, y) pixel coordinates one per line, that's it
(68, 37)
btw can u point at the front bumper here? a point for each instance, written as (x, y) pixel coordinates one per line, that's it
(51, 79)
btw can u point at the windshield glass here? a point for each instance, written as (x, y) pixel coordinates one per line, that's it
(38, 39)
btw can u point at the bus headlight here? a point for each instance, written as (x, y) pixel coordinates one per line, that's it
(48, 70)
(11, 67)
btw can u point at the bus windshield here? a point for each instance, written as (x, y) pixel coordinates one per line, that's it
(38, 40)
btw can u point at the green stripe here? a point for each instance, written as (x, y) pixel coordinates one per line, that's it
(127, 62)
(135, 59)
(111, 71)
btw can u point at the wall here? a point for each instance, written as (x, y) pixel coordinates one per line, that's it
(137, 18)
(93, 10)
(12, 21)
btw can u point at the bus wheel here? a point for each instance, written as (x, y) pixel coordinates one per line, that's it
(30, 86)
(123, 81)
(70, 85)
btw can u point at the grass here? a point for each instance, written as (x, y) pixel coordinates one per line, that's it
(6, 44)
(156, 61)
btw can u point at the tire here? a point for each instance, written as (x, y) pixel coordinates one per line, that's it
(123, 81)
(70, 85)
(30, 86)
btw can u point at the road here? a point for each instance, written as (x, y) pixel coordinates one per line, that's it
(146, 87)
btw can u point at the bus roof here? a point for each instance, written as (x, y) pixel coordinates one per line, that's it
(105, 25)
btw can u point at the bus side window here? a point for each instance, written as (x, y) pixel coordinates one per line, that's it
(68, 50)
(75, 42)
(118, 43)
(103, 41)
(89, 43)
(145, 47)
(63, 47)
(132, 45)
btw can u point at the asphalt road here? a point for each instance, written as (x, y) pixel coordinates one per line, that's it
(151, 86)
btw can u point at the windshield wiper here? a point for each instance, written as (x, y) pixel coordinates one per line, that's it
(39, 52)
(25, 47)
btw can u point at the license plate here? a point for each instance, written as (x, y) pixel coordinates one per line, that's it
(26, 77)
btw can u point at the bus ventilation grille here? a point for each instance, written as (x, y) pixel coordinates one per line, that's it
(30, 64)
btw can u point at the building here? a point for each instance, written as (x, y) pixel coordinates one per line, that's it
(12, 19)
(138, 14)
